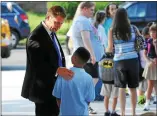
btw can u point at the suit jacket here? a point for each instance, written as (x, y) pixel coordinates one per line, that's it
(42, 64)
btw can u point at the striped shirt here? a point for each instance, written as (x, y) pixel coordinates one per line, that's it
(125, 49)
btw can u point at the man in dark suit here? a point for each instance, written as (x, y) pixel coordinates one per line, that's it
(45, 60)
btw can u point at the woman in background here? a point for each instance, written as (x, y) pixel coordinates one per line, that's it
(110, 11)
(81, 31)
(126, 63)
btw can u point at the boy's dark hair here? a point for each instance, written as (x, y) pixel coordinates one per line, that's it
(83, 54)
(145, 31)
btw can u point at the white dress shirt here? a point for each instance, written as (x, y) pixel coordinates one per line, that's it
(49, 32)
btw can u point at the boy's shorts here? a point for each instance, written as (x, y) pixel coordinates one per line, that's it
(109, 90)
(143, 85)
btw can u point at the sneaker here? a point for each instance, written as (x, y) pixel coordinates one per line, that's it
(91, 111)
(126, 91)
(146, 108)
(107, 114)
(115, 114)
(127, 94)
(141, 100)
(155, 102)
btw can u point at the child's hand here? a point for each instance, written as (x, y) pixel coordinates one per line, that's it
(150, 63)
(155, 42)
(155, 60)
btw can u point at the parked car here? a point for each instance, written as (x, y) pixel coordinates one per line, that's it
(141, 13)
(5, 42)
(18, 21)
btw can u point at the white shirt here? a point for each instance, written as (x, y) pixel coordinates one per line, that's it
(102, 35)
(69, 33)
(49, 32)
(143, 61)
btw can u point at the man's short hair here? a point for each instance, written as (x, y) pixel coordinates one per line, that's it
(83, 54)
(56, 11)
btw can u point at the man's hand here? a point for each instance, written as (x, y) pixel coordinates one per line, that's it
(65, 73)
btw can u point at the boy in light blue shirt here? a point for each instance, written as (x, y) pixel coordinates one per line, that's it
(73, 96)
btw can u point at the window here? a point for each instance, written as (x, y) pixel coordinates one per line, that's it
(141, 10)
(137, 10)
(4, 9)
(152, 6)
(132, 10)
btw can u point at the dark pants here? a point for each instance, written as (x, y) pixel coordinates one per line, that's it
(46, 109)
(126, 72)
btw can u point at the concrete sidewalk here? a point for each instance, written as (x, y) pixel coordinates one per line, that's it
(14, 105)
(26, 108)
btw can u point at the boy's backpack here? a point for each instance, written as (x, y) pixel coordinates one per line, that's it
(140, 43)
(106, 71)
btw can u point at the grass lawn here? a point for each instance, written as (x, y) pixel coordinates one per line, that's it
(35, 19)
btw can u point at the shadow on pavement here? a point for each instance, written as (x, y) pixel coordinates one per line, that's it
(10, 68)
(18, 108)
(20, 47)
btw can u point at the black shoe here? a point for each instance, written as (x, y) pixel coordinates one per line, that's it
(146, 108)
(155, 102)
(107, 114)
(127, 94)
(115, 114)
(91, 111)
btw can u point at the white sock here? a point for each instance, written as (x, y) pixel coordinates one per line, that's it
(147, 103)
(155, 97)
(113, 111)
